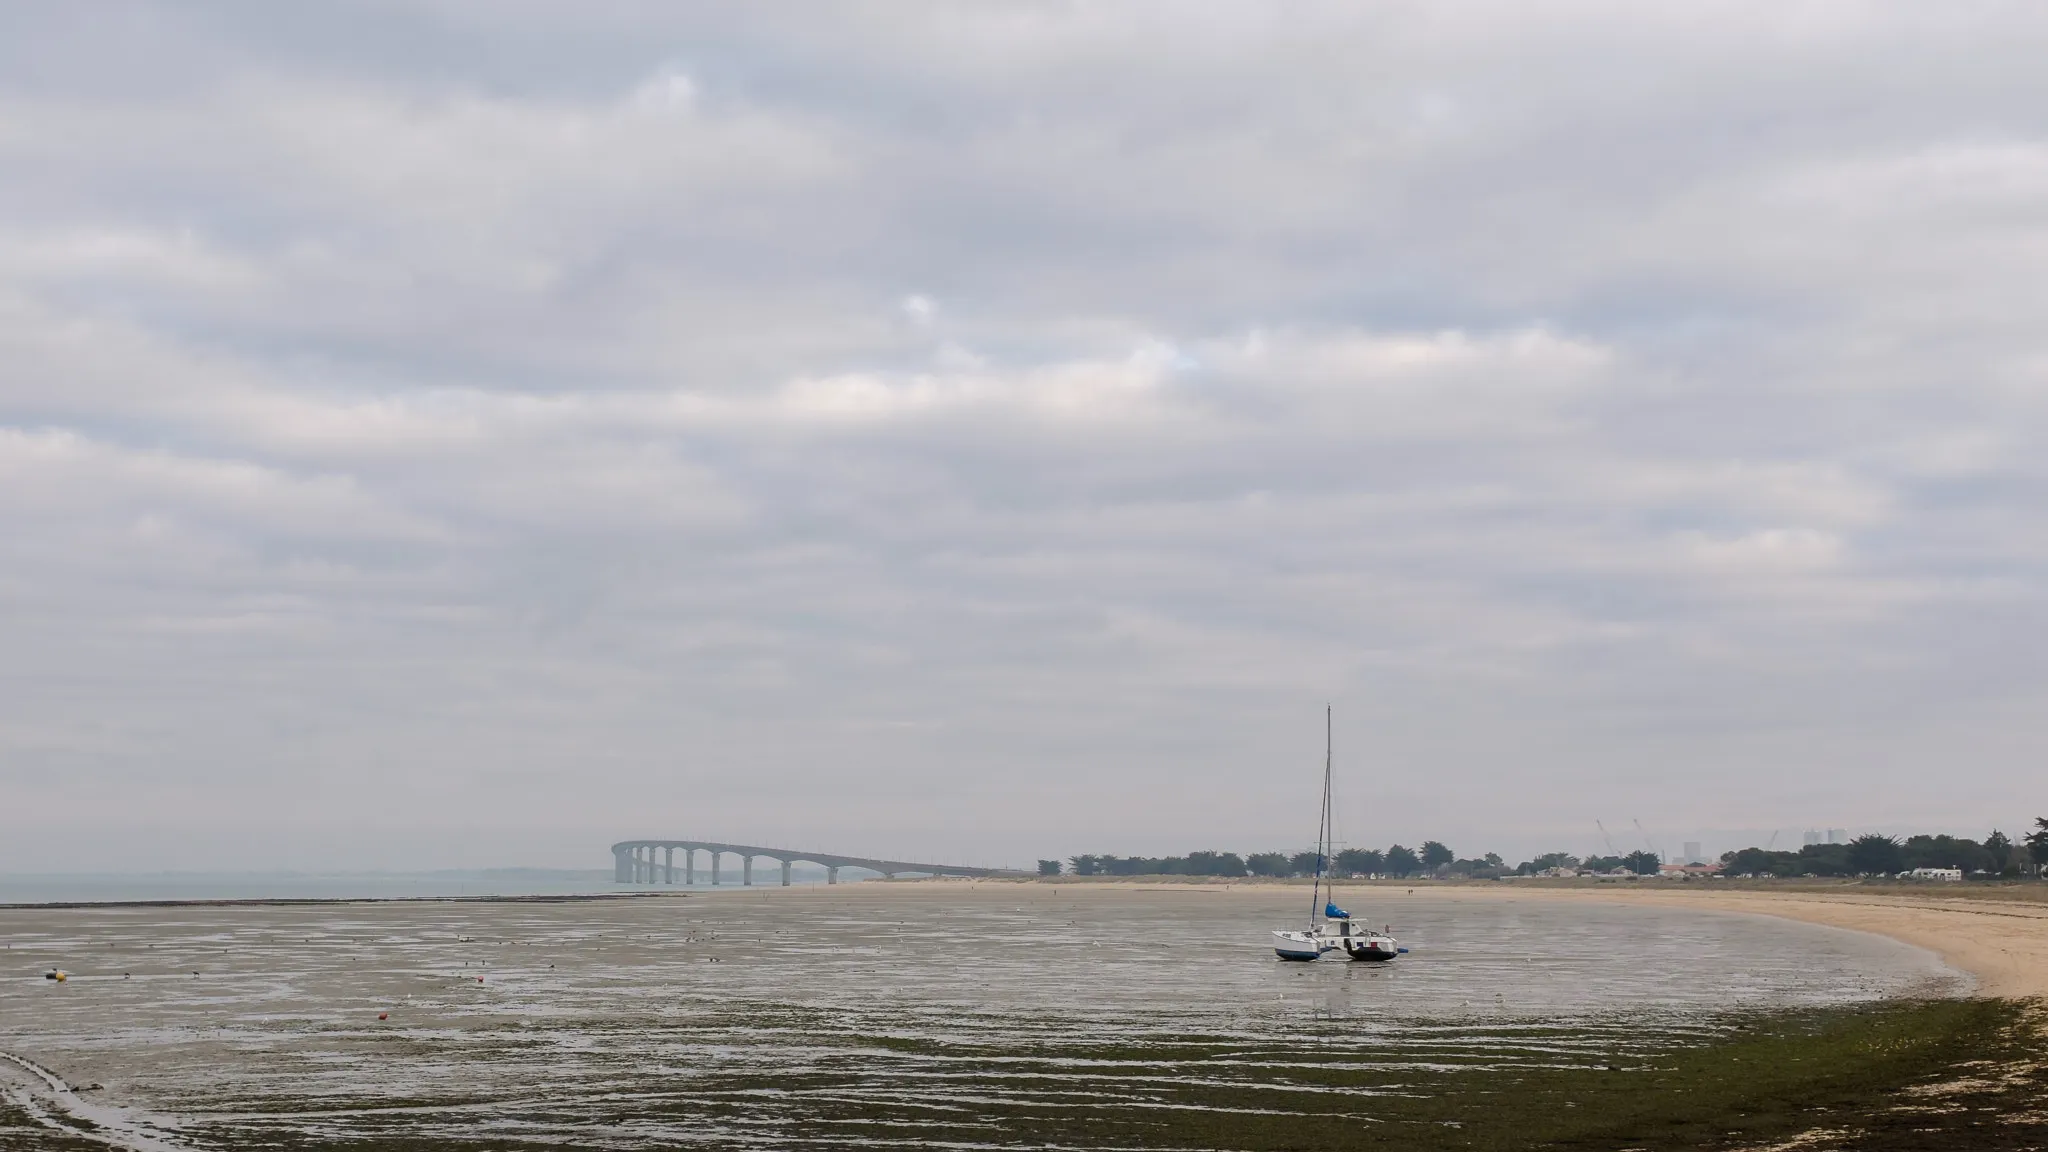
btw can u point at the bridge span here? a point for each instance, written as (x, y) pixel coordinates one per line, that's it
(654, 862)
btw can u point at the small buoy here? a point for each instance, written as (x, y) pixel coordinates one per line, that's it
(479, 979)
(383, 1015)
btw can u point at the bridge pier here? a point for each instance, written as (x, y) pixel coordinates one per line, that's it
(654, 862)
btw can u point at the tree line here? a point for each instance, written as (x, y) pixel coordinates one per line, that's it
(1875, 855)
(1433, 858)
(1398, 860)
(1996, 855)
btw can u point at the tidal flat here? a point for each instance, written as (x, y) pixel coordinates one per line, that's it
(993, 1016)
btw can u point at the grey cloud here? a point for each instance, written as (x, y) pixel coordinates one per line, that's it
(507, 426)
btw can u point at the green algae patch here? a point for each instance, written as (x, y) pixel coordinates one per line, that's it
(1945, 1073)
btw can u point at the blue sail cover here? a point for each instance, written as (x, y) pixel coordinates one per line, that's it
(1333, 912)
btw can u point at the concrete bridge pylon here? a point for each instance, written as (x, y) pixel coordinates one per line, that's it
(654, 862)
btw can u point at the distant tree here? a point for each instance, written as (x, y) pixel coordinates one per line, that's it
(1745, 862)
(1086, 865)
(1999, 845)
(1642, 863)
(1213, 864)
(1360, 862)
(1823, 860)
(1757, 862)
(1268, 864)
(1307, 863)
(2037, 844)
(1946, 852)
(1048, 867)
(1403, 861)
(1549, 860)
(1873, 854)
(1435, 855)
(1959, 852)
(1494, 861)
(1605, 863)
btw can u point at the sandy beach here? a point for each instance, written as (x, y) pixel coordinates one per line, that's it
(2002, 943)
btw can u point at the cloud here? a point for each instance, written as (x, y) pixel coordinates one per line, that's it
(996, 431)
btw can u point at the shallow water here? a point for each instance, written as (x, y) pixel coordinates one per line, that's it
(814, 1014)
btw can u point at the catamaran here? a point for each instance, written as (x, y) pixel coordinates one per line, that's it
(1333, 930)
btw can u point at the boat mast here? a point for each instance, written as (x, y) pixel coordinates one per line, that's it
(1323, 829)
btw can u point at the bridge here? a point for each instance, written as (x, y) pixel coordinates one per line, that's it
(654, 862)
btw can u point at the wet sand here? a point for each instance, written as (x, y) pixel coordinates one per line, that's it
(1997, 936)
(1119, 1014)
(2003, 943)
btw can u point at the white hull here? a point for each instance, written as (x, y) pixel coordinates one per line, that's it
(1299, 946)
(1335, 937)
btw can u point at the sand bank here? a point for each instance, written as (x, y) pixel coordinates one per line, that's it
(1998, 936)
(2004, 944)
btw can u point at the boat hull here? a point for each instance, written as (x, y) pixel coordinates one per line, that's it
(1297, 946)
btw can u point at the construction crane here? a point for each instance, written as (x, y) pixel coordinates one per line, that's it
(1611, 849)
(1774, 840)
(1654, 850)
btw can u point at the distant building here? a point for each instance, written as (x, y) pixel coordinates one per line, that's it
(1692, 853)
(1936, 874)
(1813, 837)
(1838, 835)
(1681, 871)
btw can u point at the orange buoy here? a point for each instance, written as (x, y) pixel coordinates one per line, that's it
(383, 1015)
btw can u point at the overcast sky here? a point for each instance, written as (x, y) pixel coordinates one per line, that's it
(441, 435)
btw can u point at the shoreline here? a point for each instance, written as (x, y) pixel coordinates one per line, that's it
(304, 901)
(2003, 945)
(1997, 936)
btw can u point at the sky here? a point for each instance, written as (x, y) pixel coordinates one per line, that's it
(454, 435)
